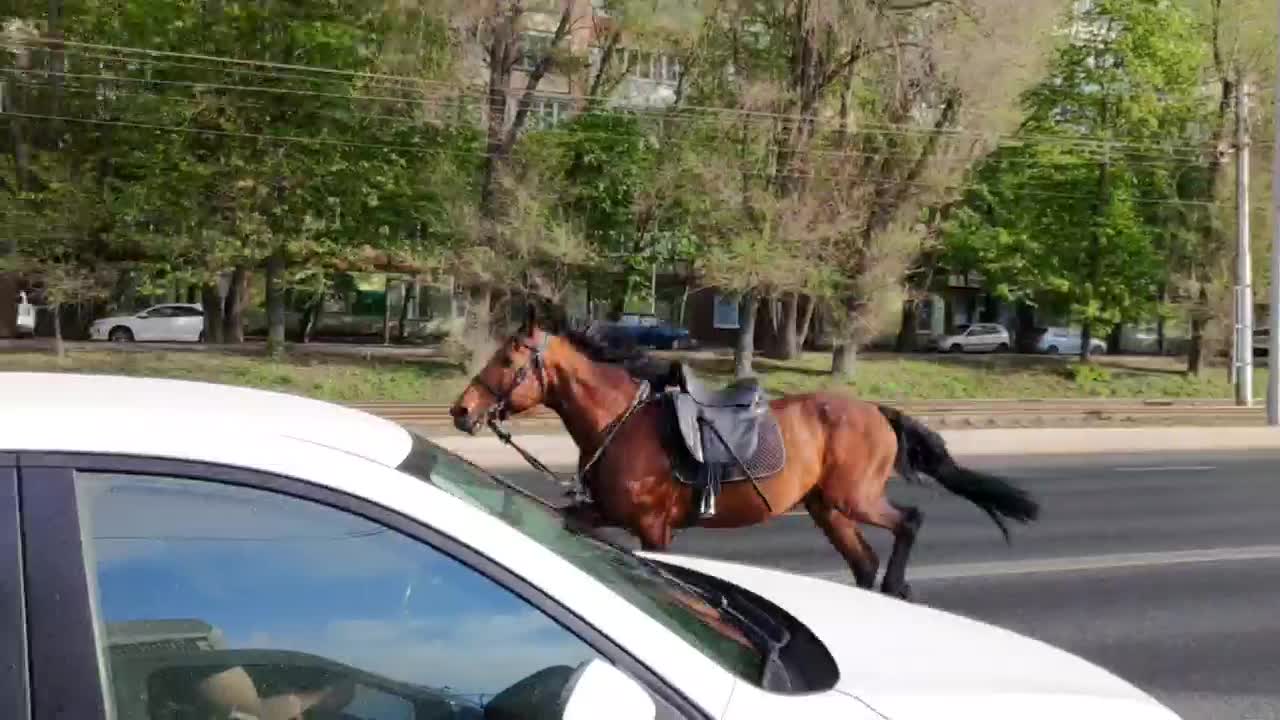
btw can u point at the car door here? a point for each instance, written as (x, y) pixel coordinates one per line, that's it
(995, 337)
(155, 324)
(165, 589)
(978, 338)
(188, 323)
(14, 700)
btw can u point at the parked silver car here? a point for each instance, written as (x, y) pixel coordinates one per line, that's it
(982, 337)
(1057, 340)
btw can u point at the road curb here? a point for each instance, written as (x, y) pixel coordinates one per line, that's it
(558, 450)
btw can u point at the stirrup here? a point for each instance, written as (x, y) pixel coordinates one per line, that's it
(707, 507)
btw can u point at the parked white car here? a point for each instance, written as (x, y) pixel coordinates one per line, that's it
(980, 337)
(262, 555)
(26, 316)
(171, 322)
(1057, 340)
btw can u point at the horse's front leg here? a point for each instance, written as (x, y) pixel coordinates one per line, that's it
(585, 518)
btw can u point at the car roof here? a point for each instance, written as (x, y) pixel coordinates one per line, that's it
(141, 403)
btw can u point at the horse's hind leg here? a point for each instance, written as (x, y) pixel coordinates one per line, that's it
(904, 522)
(843, 533)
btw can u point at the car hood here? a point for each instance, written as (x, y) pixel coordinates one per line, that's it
(910, 661)
(114, 319)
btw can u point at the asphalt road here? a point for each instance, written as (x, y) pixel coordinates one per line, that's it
(1164, 569)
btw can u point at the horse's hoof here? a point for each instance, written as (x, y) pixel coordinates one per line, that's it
(902, 593)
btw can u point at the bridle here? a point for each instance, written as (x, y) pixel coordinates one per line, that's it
(496, 413)
(502, 400)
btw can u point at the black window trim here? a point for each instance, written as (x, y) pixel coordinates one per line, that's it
(15, 690)
(671, 703)
(65, 677)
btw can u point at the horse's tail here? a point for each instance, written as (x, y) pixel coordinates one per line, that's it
(921, 450)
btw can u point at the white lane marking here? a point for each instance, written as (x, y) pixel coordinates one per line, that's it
(958, 571)
(1163, 468)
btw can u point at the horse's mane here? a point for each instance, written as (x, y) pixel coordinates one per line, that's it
(638, 363)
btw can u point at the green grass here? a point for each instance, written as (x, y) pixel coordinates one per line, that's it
(336, 380)
(940, 377)
(878, 377)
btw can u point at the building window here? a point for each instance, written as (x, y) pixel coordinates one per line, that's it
(533, 47)
(546, 112)
(725, 316)
(656, 67)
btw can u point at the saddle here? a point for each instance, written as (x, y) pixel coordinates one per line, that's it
(725, 435)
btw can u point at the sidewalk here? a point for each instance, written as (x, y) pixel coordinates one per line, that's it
(558, 450)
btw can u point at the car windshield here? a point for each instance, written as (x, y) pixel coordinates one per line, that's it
(646, 586)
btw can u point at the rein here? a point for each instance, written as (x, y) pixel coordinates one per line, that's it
(576, 484)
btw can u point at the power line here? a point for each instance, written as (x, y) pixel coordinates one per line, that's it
(448, 102)
(560, 134)
(883, 128)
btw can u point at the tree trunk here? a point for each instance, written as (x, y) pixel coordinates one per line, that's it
(1116, 340)
(1195, 348)
(311, 320)
(1095, 251)
(773, 324)
(479, 319)
(19, 127)
(744, 350)
(233, 309)
(907, 330)
(386, 312)
(57, 58)
(8, 306)
(844, 359)
(59, 347)
(1164, 301)
(211, 301)
(410, 297)
(806, 322)
(275, 303)
(789, 341)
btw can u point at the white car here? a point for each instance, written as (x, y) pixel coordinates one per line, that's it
(259, 555)
(171, 322)
(26, 316)
(981, 337)
(1056, 340)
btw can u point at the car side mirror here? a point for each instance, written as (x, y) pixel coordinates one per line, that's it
(142, 316)
(600, 690)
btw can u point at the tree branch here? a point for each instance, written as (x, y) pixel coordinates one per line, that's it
(535, 77)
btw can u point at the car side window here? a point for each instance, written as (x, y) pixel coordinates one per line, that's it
(160, 312)
(223, 601)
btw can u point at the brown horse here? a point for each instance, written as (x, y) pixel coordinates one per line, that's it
(839, 452)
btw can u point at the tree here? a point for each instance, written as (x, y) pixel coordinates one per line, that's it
(1068, 212)
(303, 168)
(849, 113)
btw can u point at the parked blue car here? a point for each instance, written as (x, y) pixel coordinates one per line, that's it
(647, 331)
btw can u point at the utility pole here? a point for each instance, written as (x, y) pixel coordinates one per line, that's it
(1244, 268)
(1273, 320)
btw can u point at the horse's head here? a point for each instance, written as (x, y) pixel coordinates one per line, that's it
(512, 381)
